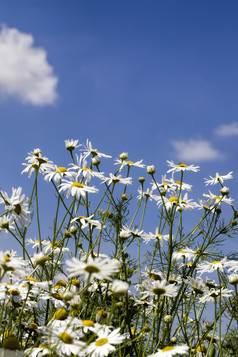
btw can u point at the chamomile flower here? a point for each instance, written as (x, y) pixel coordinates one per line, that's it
(76, 189)
(127, 232)
(88, 150)
(36, 162)
(210, 267)
(181, 167)
(71, 144)
(216, 200)
(57, 173)
(170, 351)
(155, 236)
(118, 179)
(18, 204)
(97, 268)
(165, 184)
(81, 167)
(218, 178)
(159, 289)
(105, 343)
(211, 295)
(176, 200)
(148, 194)
(128, 163)
(87, 221)
(6, 222)
(185, 253)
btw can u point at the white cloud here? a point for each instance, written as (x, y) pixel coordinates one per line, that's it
(195, 150)
(227, 129)
(24, 70)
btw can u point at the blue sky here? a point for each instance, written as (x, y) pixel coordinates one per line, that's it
(158, 79)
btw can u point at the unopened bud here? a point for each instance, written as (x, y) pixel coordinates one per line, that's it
(141, 179)
(124, 197)
(67, 234)
(73, 229)
(224, 191)
(168, 319)
(151, 169)
(67, 295)
(123, 156)
(173, 340)
(96, 161)
(234, 222)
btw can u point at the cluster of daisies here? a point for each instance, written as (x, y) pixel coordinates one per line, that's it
(64, 297)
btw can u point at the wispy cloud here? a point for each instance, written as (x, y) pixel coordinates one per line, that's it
(227, 129)
(195, 150)
(24, 71)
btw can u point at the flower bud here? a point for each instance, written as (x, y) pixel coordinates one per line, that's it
(151, 169)
(173, 340)
(168, 319)
(119, 288)
(67, 234)
(233, 222)
(96, 161)
(40, 259)
(67, 295)
(141, 179)
(73, 229)
(124, 197)
(123, 156)
(224, 191)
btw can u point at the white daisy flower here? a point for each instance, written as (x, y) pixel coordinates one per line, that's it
(18, 205)
(97, 268)
(211, 295)
(87, 221)
(215, 200)
(105, 343)
(181, 167)
(71, 144)
(57, 173)
(76, 189)
(36, 162)
(118, 179)
(6, 222)
(147, 194)
(218, 178)
(184, 253)
(180, 203)
(170, 351)
(155, 236)
(128, 163)
(127, 232)
(210, 267)
(88, 149)
(81, 168)
(159, 288)
(164, 185)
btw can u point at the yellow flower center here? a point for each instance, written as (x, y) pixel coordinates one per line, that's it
(55, 244)
(77, 184)
(11, 343)
(66, 338)
(57, 296)
(178, 182)
(158, 291)
(14, 292)
(29, 278)
(168, 348)
(189, 263)
(218, 197)
(102, 313)
(91, 269)
(182, 252)
(7, 258)
(61, 169)
(61, 283)
(129, 162)
(60, 314)
(76, 282)
(32, 326)
(85, 168)
(216, 262)
(101, 342)
(173, 199)
(88, 323)
(17, 208)
(201, 348)
(181, 164)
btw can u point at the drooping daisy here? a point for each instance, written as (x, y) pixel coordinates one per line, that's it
(97, 268)
(218, 178)
(181, 167)
(88, 149)
(36, 162)
(169, 351)
(18, 204)
(127, 232)
(105, 343)
(76, 189)
(118, 179)
(6, 222)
